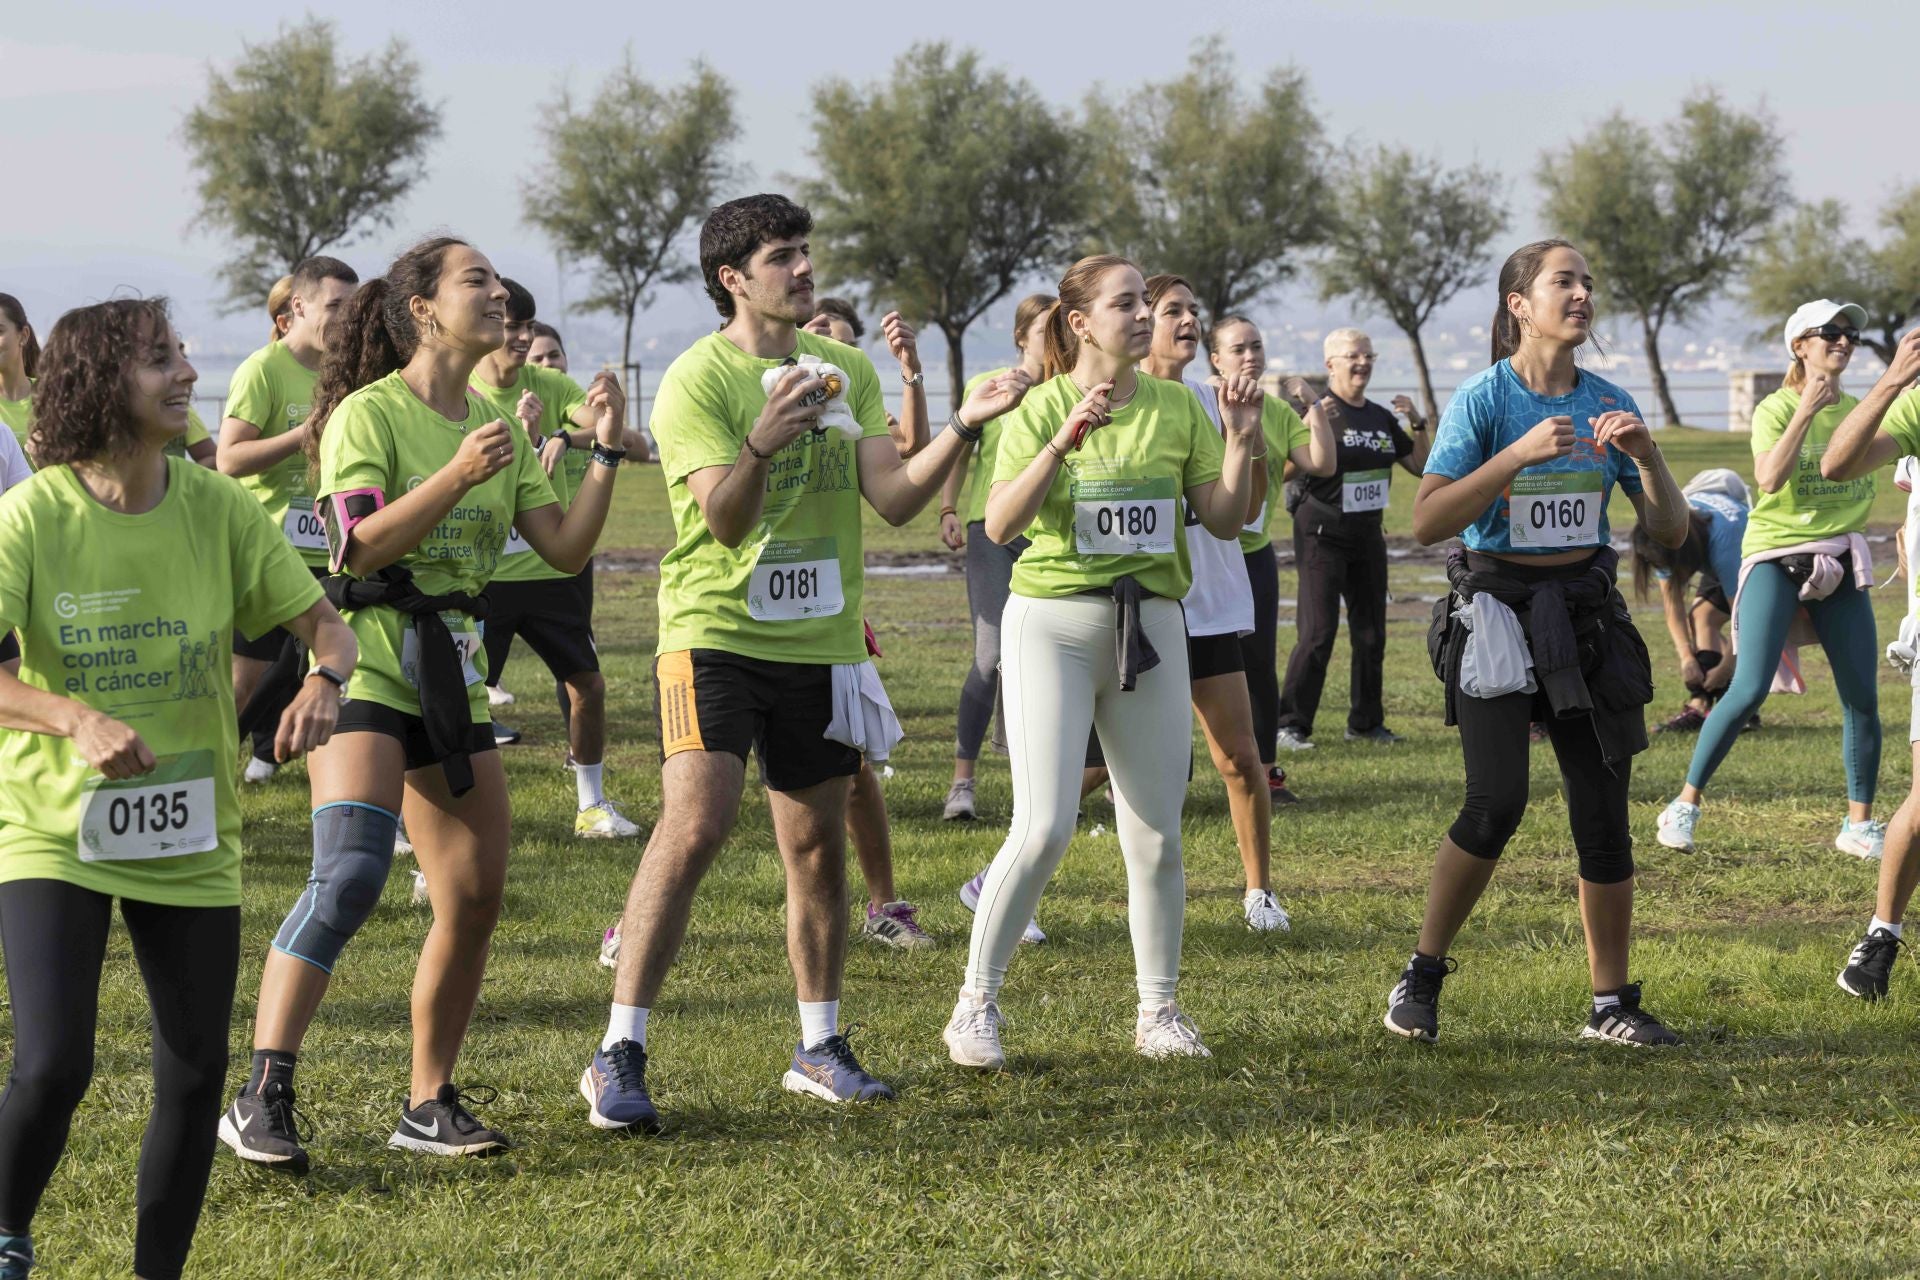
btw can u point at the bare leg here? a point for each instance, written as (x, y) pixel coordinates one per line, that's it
(1226, 717)
(1900, 867)
(872, 837)
(1458, 880)
(587, 726)
(699, 803)
(1092, 779)
(1606, 912)
(810, 827)
(246, 678)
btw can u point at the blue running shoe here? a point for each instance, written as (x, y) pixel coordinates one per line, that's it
(832, 1072)
(615, 1087)
(16, 1257)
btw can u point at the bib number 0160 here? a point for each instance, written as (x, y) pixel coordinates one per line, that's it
(1554, 509)
(1550, 514)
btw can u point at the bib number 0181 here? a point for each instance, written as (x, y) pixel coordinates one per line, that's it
(802, 582)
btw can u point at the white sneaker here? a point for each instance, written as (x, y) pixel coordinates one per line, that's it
(421, 897)
(1675, 829)
(973, 1033)
(258, 770)
(1264, 915)
(1862, 839)
(498, 697)
(1168, 1033)
(970, 899)
(1291, 739)
(400, 842)
(603, 821)
(610, 947)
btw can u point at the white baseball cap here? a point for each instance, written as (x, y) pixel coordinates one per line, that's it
(1811, 315)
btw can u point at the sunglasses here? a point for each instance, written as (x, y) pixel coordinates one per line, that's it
(1834, 332)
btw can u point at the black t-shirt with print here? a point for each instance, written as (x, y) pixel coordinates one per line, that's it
(1365, 439)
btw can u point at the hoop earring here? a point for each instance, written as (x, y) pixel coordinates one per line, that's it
(433, 328)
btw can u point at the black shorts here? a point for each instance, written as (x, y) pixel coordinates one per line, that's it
(551, 615)
(1214, 656)
(9, 647)
(361, 716)
(711, 700)
(1713, 594)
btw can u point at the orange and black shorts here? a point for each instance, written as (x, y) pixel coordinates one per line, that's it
(711, 700)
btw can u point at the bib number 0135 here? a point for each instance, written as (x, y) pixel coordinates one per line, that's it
(1554, 509)
(166, 814)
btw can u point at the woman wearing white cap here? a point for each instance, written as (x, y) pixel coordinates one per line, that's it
(1803, 550)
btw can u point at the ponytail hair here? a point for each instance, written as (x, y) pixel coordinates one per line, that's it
(30, 342)
(1078, 290)
(375, 333)
(1517, 275)
(1030, 309)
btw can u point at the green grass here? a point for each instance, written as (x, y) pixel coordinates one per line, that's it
(1312, 1144)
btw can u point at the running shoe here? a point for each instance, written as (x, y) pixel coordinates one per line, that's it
(498, 697)
(258, 770)
(1753, 722)
(1168, 1033)
(503, 736)
(1870, 965)
(1264, 914)
(831, 1072)
(1628, 1023)
(603, 821)
(959, 806)
(1291, 739)
(445, 1127)
(973, 1033)
(1413, 1009)
(1675, 828)
(970, 899)
(16, 1257)
(266, 1128)
(1862, 839)
(421, 897)
(610, 947)
(1278, 792)
(1536, 733)
(1379, 735)
(1688, 720)
(615, 1087)
(894, 925)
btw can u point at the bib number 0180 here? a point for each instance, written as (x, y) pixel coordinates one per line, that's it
(1127, 520)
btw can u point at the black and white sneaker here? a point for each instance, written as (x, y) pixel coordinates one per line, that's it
(1413, 1010)
(1870, 965)
(1628, 1023)
(444, 1126)
(265, 1128)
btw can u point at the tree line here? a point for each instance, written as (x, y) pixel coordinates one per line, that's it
(948, 185)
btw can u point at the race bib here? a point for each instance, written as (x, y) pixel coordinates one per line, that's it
(1554, 510)
(467, 632)
(304, 530)
(1365, 490)
(164, 814)
(515, 543)
(796, 579)
(1258, 524)
(1123, 517)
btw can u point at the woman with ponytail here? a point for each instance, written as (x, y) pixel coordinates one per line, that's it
(418, 488)
(1092, 467)
(1527, 456)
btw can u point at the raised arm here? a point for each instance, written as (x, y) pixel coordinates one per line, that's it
(731, 497)
(1224, 505)
(1319, 456)
(566, 541)
(898, 488)
(1417, 431)
(1012, 504)
(911, 433)
(1773, 468)
(1859, 447)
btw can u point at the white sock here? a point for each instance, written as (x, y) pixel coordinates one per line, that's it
(1602, 1003)
(627, 1022)
(586, 782)
(1888, 925)
(818, 1020)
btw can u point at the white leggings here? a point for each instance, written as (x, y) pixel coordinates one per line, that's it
(1059, 679)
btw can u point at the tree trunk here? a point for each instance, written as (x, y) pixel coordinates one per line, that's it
(956, 368)
(1658, 373)
(1426, 379)
(1883, 347)
(626, 364)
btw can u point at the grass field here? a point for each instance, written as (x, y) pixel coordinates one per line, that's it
(1313, 1143)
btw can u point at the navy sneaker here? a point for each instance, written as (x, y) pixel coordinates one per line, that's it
(615, 1087)
(1413, 1009)
(832, 1072)
(16, 1257)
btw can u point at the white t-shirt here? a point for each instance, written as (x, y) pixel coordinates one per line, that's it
(1221, 600)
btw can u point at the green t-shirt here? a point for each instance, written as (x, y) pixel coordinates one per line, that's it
(273, 391)
(382, 437)
(980, 475)
(1115, 505)
(1902, 422)
(1285, 432)
(559, 396)
(1809, 506)
(790, 592)
(18, 415)
(98, 624)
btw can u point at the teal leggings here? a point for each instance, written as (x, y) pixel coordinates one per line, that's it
(1844, 623)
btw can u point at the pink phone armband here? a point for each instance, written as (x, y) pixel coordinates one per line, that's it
(340, 512)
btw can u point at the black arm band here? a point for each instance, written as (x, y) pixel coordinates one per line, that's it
(970, 434)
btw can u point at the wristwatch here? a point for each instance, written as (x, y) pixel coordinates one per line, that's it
(328, 674)
(915, 380)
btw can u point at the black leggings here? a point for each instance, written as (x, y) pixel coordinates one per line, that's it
(1260, 649)
(1337, 559)
(1493, 736)
(55, 937)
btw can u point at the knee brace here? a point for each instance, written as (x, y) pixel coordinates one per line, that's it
(1605, 866)
(352, 853)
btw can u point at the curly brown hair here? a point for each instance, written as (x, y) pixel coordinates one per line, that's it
(82, 403)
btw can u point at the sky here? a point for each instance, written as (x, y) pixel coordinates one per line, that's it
(99, 197)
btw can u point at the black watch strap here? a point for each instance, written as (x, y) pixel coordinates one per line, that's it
(328, 674)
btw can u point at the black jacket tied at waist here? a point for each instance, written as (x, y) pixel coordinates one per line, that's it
(443, 684)
(1588, 658)
(1132, 651)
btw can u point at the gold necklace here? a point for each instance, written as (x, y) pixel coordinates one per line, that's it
(1112, 403)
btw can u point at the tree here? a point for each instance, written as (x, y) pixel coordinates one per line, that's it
(943, 188)
(1667, 222)
(1810, 255)
(1201, 179)
(299, 151)
(626, 177)
(1406, 236)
